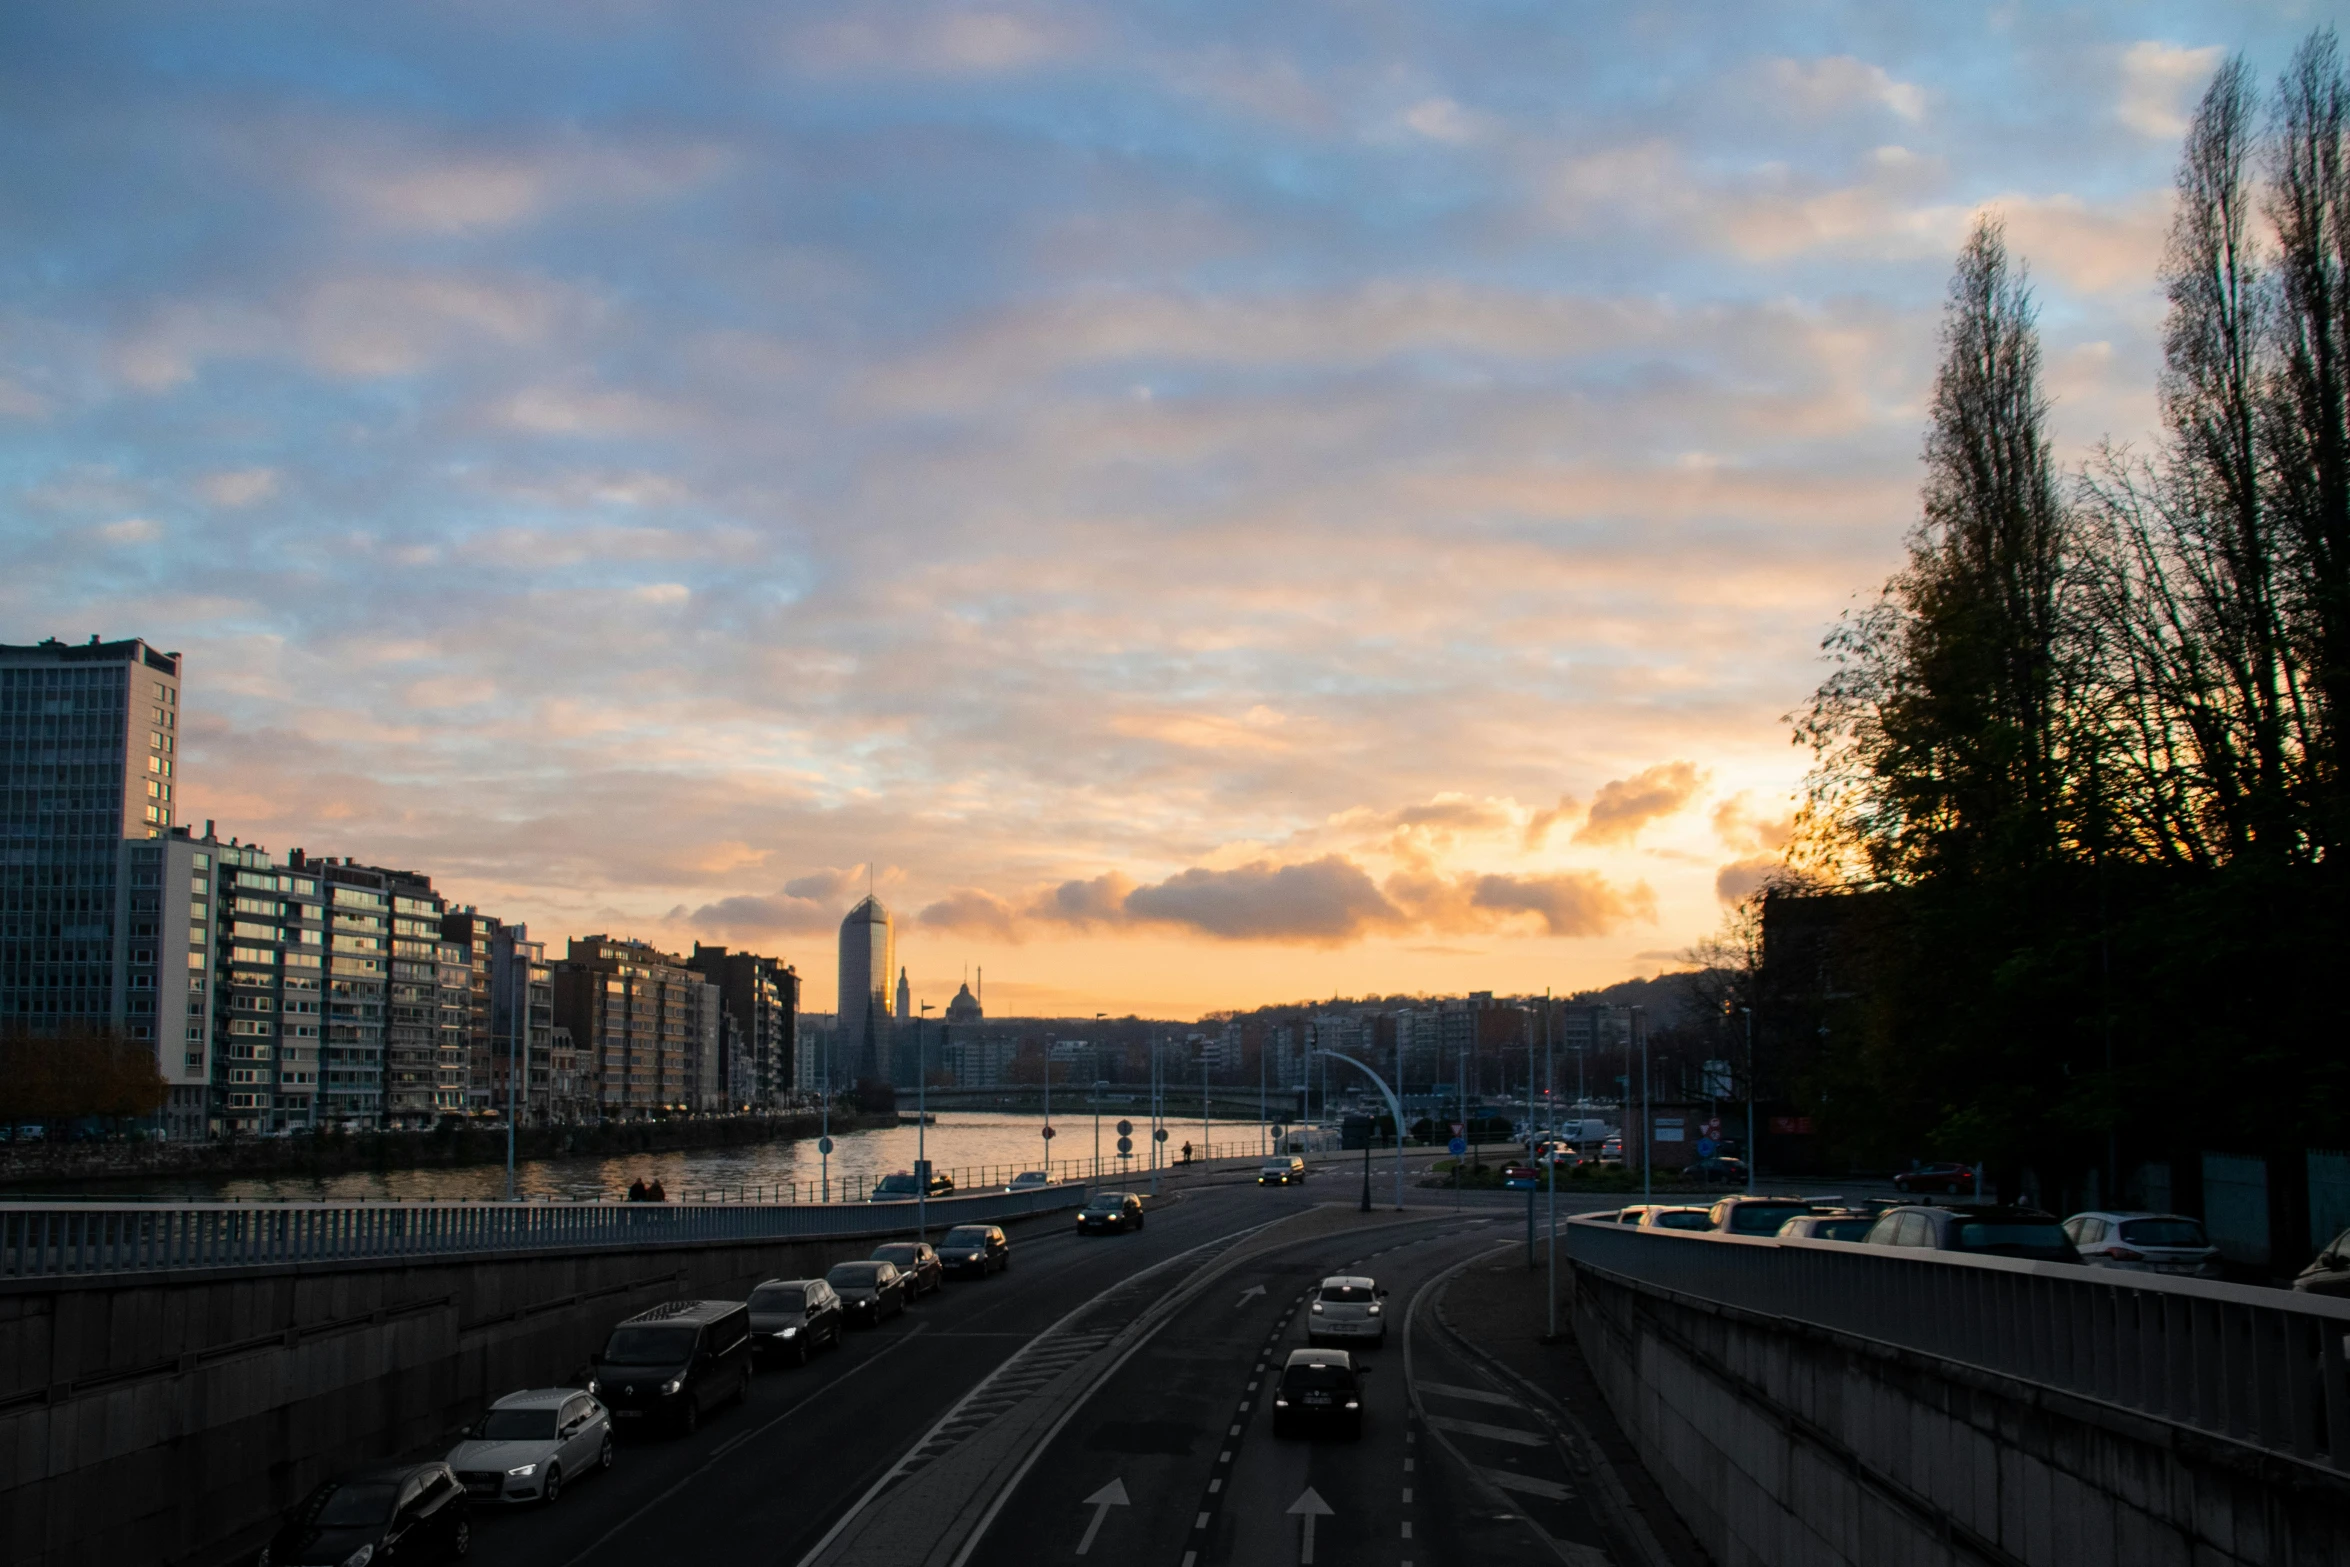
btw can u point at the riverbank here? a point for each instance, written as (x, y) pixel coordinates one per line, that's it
(93, 1166)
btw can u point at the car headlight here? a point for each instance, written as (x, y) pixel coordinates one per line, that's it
(1374, 1308)
(1281, 1403)
(1353, 1403)
(522, 1471)
(671, 1386)
(1317, 1308)
(789, 1333)
(592, 1388)
(360, 1557)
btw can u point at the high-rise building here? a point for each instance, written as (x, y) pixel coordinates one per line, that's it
(641, 1020)
(519, 964)
(763, 1007)
(868, 954)
(88, 750)
(269, 990)
(171, 966)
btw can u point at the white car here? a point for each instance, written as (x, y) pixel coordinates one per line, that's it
(531, 1444)
(1346, 1309)
(2144, 1243)
(1029, 1181)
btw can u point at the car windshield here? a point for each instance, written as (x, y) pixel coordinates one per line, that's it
(1298, 1379)
(896, 1183)
(1031, 1178)
(515, 1425)
(1685, 1219)
(964, 1238)
(1842, 1229)
(649, 1347)
(2164, 1232)
(1978, 1235)
(778, 1297)
(352, 1506)
(1349, 1294)
(853, 1275)
(903, 1256)
(1758, 1218)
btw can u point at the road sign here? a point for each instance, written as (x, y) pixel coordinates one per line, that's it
(824, 1145)
(1706, 1147)
(1125, 1128)
(1457, 1147)
(1159, 1136)
(1047, 1134)
(1125, 1145)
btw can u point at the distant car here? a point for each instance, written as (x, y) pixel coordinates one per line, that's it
(1281, 1172)
(1663, 1216)
(1320, 1389)
(1108, 1213)
(674, 1362)
(1520, 1177)
(1346, 1306)
(1029, 1181)
(1853, 1227)
(904, 1187)
(870, 1292)
(2144, 1243)
(415, 1510)
(791, 1319)
(1612, 1151)
(976, 1249)
(1985, 1231)
(2328, 1272)
(1721, 1169)
(917, 1262)
(1947, 1180)
(529, 1445)
(1754, 1215)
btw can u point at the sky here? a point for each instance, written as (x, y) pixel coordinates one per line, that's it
(1196, 505)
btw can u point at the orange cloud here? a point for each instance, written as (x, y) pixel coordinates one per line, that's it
(1626, 805)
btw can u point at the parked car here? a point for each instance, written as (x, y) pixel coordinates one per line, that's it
(2144, 1243)
(528, 1445)
(1670, 1216)
(1029, 1181)
(1836, 1225)
(1520, 1177)
(1754, 1215)
(1281, 1172)
(1611, 1152)
(1945, 1179)
(674, 1363)
(417, 1511)
(1346, 1306)
(904, 1187)
(1721, 1169)
(793, 1318)
(1320, 1389)
(976, 1249)
(870, 1292)
(1985, 1231)
(1106, 1213)
(2328, 1272)
(917, 1262)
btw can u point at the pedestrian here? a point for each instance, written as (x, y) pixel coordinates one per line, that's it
(636, 1190)
(1187, 1153)
(656, 1193)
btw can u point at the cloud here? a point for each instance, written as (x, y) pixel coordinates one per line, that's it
(748, 916)
(1099, 901)
(826, 883)
(1740, 824)
(1322, 901)
(1840, 82)
(1625, 805)
(130, 530)
(238, 486)
(934, 40)
(1566, 903)
(1441, 119)
(970, 911)
(1538, 826)
(1743, 878)
(2158, 83)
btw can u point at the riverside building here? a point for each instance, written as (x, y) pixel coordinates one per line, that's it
(642, 1022)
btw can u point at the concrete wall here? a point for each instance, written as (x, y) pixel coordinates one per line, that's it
(172, 1417)
(1785, 1445)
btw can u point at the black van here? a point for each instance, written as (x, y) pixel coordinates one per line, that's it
(673, 1363)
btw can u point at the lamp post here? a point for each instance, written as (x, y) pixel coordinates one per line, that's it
(1647, 1116)
(921, 1130)
(1753, 1150)
(1394, 1099)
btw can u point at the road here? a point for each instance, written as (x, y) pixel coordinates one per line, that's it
(1033, 1390)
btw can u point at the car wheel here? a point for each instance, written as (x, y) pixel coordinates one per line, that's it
(461, 1543)
(604, 1453)
(801, 1353)
(554, 1486)
(689, 1420)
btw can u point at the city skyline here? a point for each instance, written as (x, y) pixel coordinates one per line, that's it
(1349, 513)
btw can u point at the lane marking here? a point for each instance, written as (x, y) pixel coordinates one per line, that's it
(1472, 1394)
(1492, 1432)
(1215, 1485)
(1201, 1522)
(1407, 1494)
(1310, 1506)
(1407, 1528)
(1530, 1484)
(1247, 1295)
(1109, 1496)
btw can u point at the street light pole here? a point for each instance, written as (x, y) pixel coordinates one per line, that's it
(1753, 1150)
(921, 1131)
(1647, 1115)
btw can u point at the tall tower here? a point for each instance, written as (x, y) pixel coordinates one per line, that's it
(868, 951)
(905, 997)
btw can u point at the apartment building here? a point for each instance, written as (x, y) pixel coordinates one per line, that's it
(641, 1021)
(762, 999)
(269, 1001)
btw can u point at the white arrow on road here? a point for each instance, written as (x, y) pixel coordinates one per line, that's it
(1310, 1506)
(1109, 1496)
(1247, 1295)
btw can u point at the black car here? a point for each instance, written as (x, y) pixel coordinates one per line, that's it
(1108, 1213)
(916, 1261)
(905, 1187)
(1945, 1179)
(1986, 1231)
(976, 1249)
(791, 1319)
(674, 1363)
(1319, 1390)
(410, 1512)
(2328, 1272)
(870, 1292)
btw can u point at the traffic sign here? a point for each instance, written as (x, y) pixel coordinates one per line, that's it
(1048, 1134)
(1706, 1147)
(824, 1145)
(1125, 1145)
(1159, 1136)
(1458, 1146)
(1125, 1128)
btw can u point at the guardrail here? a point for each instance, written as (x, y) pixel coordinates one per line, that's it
(92, 1238)
(2265, 1367)
(973, 1178)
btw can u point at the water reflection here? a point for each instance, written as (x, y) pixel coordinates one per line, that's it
(976, 1147)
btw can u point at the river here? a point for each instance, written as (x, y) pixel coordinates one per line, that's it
(976, 1147)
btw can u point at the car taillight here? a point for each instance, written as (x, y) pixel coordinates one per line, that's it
(2124, 1254)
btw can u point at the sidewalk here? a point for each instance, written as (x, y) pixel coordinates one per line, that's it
(1495, 1306)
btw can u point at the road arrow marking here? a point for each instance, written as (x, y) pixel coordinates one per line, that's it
(1310, 1506)
(1109, 1496)
(1247, 1295)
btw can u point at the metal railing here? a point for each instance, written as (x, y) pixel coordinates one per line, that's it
(2260, 1366)
(971, 1178)
(92, 1238)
